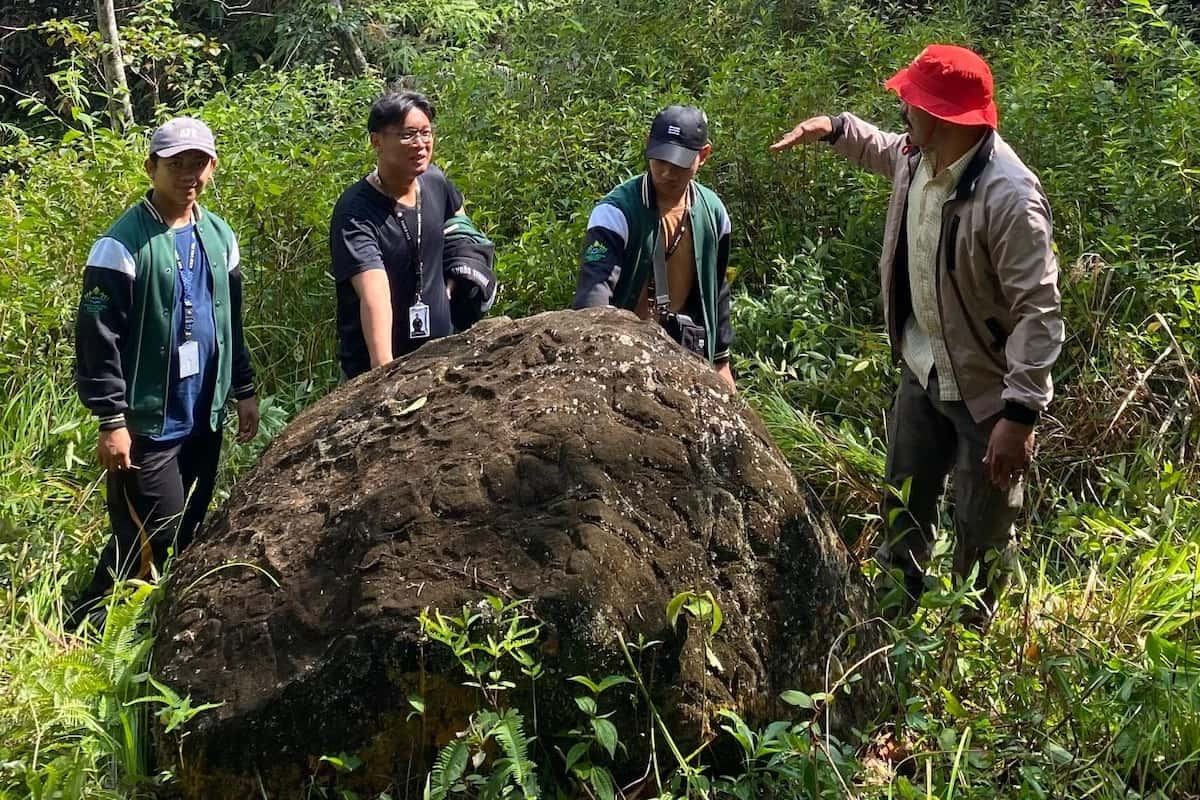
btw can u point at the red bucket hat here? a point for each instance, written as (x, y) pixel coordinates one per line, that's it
(949, 82)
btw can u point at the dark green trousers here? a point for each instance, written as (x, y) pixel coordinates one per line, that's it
(930, 440)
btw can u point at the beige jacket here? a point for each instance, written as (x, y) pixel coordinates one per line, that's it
(996, 269)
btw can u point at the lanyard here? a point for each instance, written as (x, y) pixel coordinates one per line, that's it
(414, 244)
(680, 229)
(186, 275)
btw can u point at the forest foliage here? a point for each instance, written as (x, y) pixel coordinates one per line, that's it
(1085, 685)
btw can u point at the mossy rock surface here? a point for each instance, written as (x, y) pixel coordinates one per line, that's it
(579, 459)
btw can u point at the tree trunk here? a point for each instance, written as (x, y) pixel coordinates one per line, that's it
(120, 108)
(354, 54)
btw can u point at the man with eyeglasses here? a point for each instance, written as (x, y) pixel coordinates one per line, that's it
(408, 264)
(658, 244)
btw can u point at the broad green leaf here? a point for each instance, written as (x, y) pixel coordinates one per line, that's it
(675, 605)
(606, 734)
(953, 707)
(577, 751)
(602, 782)
(611, 681)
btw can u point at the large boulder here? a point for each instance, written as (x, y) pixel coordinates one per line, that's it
(580, 459)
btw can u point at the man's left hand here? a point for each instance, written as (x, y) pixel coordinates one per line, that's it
(247, 411)
(1009, 452)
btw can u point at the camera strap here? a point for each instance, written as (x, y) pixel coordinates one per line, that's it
(660, 292)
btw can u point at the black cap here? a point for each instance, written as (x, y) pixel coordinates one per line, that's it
(677, 134)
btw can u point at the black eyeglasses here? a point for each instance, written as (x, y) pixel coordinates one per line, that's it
(410, 135)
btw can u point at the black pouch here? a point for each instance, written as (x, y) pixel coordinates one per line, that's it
(684, 330)
(466, 305)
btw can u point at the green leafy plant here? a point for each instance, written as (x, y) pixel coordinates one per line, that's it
(598, 734)
(483, 638)
(487, 639)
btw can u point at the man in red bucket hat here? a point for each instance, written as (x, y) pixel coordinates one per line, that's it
(971, 302)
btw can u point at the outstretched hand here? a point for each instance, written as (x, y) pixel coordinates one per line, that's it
(811, 130)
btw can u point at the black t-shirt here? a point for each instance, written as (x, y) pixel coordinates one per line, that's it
(365, 234)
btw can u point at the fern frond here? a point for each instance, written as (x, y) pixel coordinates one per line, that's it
(509, 731)
(73, 675)
(448, 769)
(120, 639)
(502, 773)
(11, 133)
(78, 717)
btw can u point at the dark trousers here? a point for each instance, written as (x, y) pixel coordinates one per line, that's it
(929, 439)
(155, 509)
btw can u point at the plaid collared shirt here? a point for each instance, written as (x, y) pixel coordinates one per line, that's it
(922, 344)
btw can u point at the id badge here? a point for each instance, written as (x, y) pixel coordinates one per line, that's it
(189, 359)
(418, 321)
